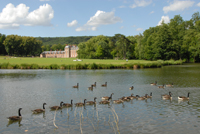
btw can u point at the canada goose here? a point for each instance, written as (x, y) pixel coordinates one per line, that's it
(153, 84)
(90, 88)
(56, 107)
(183, 97)
(94, 85)
(131, 88)
(166, 94)
(92, 102)
(16, 118)
(169, 85)
(104, 85)
(125, 98)
(80, 103)
(118, 101)
(142, 98)
(36, 111)
(149, 96)
(76, 86)
(167, 97)
(106, 97)
(68, 104)
(163, 86)
(105, 101)
(132, 97)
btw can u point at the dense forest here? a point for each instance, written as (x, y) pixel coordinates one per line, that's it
(63, 40)
(176, 40)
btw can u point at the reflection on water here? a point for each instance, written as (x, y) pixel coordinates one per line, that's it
(11, 122)
(29, 89)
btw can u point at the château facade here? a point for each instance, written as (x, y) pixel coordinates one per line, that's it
(69, 51)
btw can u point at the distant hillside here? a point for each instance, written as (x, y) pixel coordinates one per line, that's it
(63, 40)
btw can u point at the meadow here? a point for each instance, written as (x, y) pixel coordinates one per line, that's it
(69, 63)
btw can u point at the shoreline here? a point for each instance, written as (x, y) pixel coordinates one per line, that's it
(79, 66)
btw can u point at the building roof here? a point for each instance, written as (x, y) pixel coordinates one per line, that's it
(53, 52)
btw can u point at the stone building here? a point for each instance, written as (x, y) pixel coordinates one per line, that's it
(70, 51)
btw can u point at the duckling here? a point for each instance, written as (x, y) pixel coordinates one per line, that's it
(167, 97)
(150, 95)
(153, 84)
(90, 88)
(142, 98)
(76, 86)
(169, 85)
(105, 101)
(36, 111)
(80, 103)
(183, 97)
(16, 118)
(94, 85)
(104, 85)
(106, 97)
(56, 107)
(91, 102)
(68, 104)
(163, 86)
(131, 88)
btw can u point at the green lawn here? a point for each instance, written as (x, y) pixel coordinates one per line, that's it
(60, 61)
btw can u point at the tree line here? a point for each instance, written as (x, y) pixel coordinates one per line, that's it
(176, 40)
(19, 45)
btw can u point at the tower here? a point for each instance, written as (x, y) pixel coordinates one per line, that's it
(67, 51)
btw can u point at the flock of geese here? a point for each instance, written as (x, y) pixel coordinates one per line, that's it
(105, 100)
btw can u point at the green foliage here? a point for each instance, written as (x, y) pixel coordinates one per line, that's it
(63, 40)
(20, 46)
(54, 66)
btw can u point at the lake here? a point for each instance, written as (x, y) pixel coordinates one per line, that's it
(29, 89)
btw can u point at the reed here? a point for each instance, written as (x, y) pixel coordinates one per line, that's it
(25, 66)
(34, 66)
(54, 66)
(153, 64)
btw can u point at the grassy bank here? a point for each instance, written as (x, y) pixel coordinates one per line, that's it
(68, 63)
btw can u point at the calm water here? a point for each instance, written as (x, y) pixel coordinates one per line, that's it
(29, 89)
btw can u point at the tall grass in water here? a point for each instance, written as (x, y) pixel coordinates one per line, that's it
(153, 64)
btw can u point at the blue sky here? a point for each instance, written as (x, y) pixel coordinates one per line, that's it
(63, 18)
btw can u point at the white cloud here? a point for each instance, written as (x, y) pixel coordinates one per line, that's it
(103, 18)
(122, 6)
(73, 23)
(198, 4)
(151, 12)
(134, 26)
(141, 3)
(13, 17)
(165, 19)
(139, 29)
(121, 27)
(178, 6)
(100, 18)
(81, 29)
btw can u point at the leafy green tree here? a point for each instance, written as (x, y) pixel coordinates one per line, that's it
(99, 52)
(2, 47)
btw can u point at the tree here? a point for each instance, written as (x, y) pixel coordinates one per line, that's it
(99, 52)
(2, 47)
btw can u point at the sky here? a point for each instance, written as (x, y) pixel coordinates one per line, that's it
(64, 18)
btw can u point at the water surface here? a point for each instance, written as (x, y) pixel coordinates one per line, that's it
(29, 89)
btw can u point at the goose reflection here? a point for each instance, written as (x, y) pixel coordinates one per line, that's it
(13, 122)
